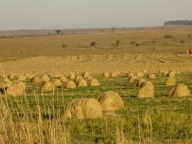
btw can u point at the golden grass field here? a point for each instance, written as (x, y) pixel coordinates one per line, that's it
(138, 49)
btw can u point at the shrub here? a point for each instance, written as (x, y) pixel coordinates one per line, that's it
(182, 41)
(168, 37)
(64, 45)
(92, 44)
(58, 31)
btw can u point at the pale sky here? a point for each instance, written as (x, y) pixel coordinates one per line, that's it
(63, 14)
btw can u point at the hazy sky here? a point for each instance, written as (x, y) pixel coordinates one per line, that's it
(61, 14)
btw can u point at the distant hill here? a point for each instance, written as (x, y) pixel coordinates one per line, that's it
(178, 22)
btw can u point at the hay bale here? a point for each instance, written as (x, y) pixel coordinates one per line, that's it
(21, 77)
(140, 81)
(32, 75)
(68, 84)
(16, 89)
(105, 74)
(45, 78)
(83, 108)
(130, 74)
(62, 78)
(85, 74)
(151, 76)
(82, 83)
(111, 101)
(139, 74)
(147, 83)
(179, 90)
(113, 74)
(146, 91)
(93, 82)
(11, 76)
(71, 76)
(78, 78)
(36, 79)
(160, 72)
(144, 71)
(57, 82)
(170, 81)
(164, 73)
(131, 78)
(48, 86)
(171, 74)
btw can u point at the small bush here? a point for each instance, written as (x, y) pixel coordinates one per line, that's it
(92, 44)
(58, 31)
(168, 37)
(64, 45)
(182, 41)
(133, 43)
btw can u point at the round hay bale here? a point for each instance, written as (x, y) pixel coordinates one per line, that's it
(144, 71)
(179, 90)
(21, 77)
(48, 86)
(57, 75)
(57, 82)
(93, 82)
(151, 76)
(83, 108)
(62, 78)
(131, 78)
(16, 89)
(113, 74)
(164, 73)
(7, 82)
(71, 76)
(135, 81)
(32, 75)
(111, 100)
(146, 91)
(160, 72)
(171, 74)
(68, 84)
(130, 74)
(105, 74)
(78, 78)
(11, 76)
(170, 81)
(85, 74)
(36, 79)
(139, 74)
(140, 81)
(82, 83)
(19, 83)
(27, 75)
(147, 83)
(45, 78)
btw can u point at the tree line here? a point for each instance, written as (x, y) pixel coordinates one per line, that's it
(178, 22)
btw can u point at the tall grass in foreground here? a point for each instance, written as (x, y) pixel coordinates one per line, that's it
(36, 118)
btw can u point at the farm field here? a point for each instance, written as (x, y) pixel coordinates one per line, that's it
(38, 116)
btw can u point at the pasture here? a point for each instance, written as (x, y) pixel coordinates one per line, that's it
(38, 116)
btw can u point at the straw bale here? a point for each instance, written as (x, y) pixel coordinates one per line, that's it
(16, 89)
(68, 84)
(111, 100)
(93, 82)
(36, 79)
(179, 90)
(71, 76)
(170, 81)
(105, 74)
(82, 82)
(164, 73)
(85, 74)
(151, 76)
(139, 74)
(57, 82)
(146, 91)
(147, 83)
(48, 86)
(83, 108)
(45, 78)
(131, 78)
(62, 78)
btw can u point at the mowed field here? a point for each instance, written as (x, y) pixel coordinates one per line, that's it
(37, 116)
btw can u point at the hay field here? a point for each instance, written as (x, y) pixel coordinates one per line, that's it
(37, 116)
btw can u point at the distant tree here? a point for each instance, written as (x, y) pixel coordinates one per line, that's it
(112, 30)
(92, 44)
(58, 31)
(116, 44)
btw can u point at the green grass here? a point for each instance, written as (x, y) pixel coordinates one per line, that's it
(37, 117)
